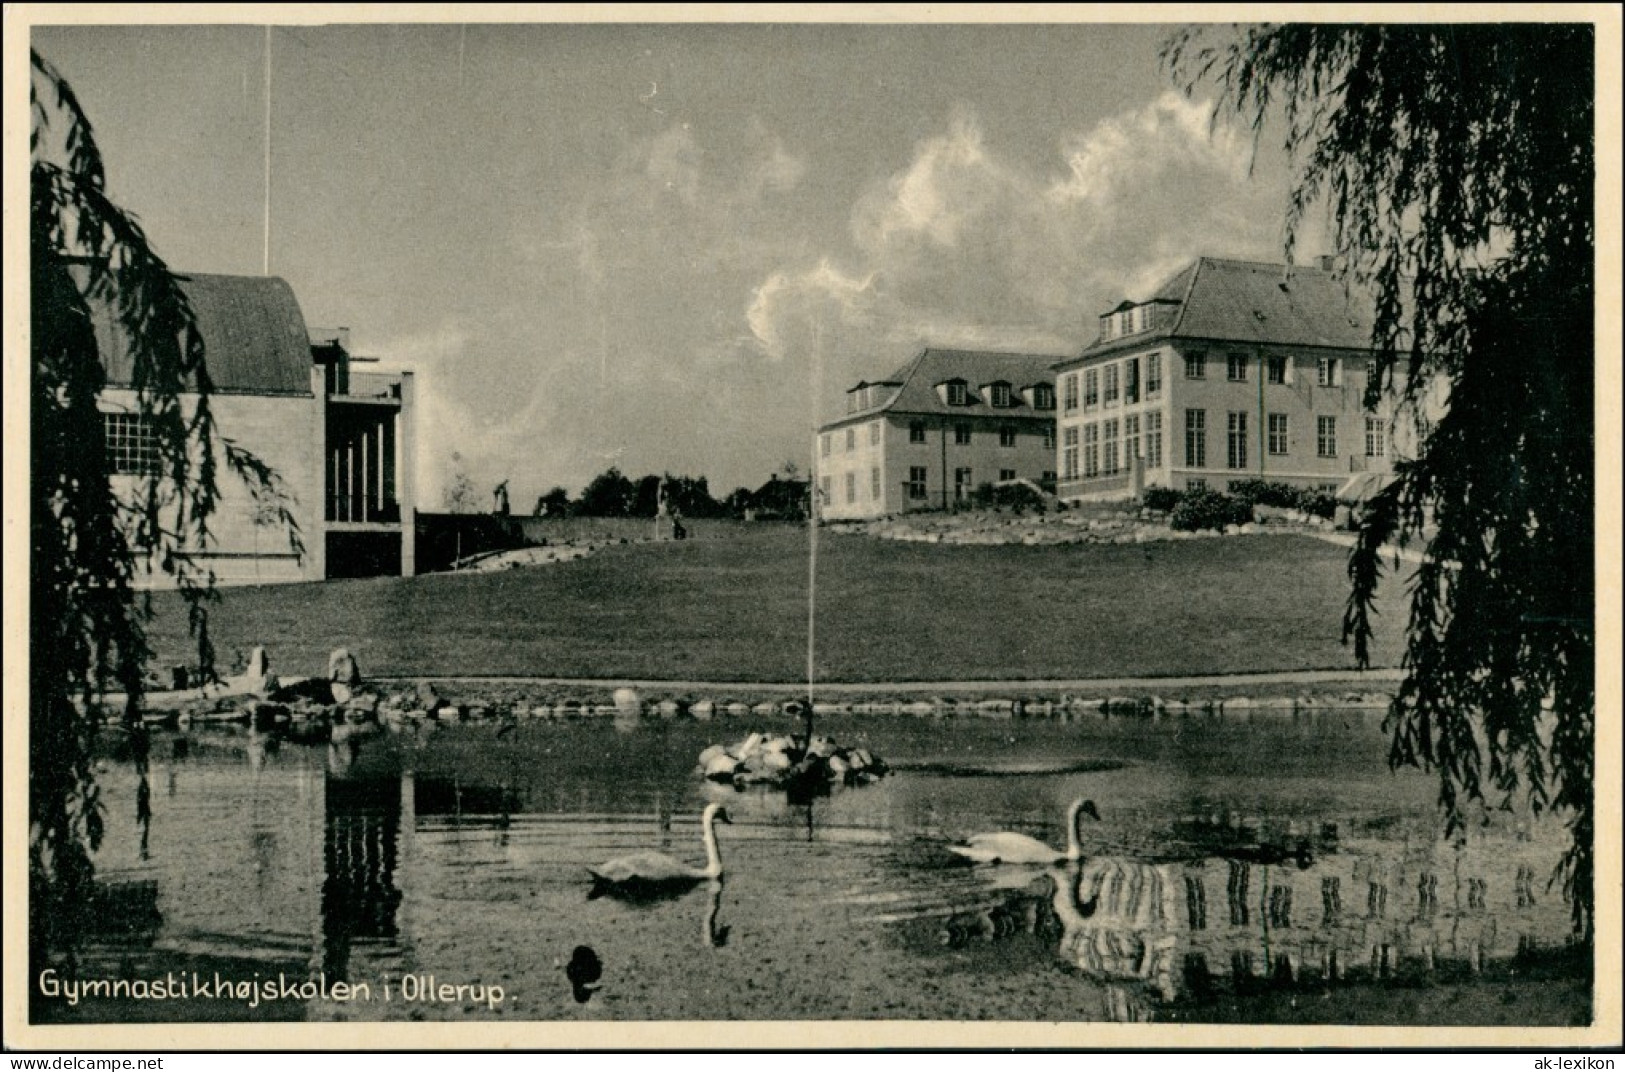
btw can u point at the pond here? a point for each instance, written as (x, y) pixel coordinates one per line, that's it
(1263, 867)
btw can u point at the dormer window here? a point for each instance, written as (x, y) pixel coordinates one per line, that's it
(999, 395)
(954, 392)
(1043, 396)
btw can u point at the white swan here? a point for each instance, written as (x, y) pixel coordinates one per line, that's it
(1009, 848)
(655, 872)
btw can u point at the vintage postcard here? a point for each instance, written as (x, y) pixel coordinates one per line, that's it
(860, 527)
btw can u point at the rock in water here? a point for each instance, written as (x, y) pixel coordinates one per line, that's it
(342, 668)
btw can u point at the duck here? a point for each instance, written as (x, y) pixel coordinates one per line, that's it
(654, 873)
(1011, 848)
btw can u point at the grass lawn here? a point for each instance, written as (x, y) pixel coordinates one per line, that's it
(736, 610)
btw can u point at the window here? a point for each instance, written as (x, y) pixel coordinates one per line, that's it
(874, 434)
(957, 395)
(1007, 437)
(1196, 366)
(1049, 437)
(1277, 433)
(1326, 437)
(851, 487)
(1109, 391)
(1196, 483)
(1153, 440)
(130, 446)
(1131, 441)
(1109, 465)
(1142, 317)
(1131, 381)
(1091, 388)
(916, 432)
(962, 483)
(1069, 454)
(1235, 366)
(1196, 438)
(851, 440)
(1043, 396)
(916, 481)
(823, 445)
(1007, 474)
(961, 434)
(1327, 374)
(1069, 385)
(1277, 370)
(874, 483)
(1236, 441)
(1048, 479)
(1091, 450)
(1001, 395)
(1153, 376)
(1376, 437)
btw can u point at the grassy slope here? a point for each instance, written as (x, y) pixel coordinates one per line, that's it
(736, 610)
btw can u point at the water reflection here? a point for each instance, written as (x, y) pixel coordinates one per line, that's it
(360, 857)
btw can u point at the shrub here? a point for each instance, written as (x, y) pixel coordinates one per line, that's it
(1209, 510)
(1161, 499)
(1018, 497)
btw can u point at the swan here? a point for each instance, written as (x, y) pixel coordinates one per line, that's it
(1009, 848)
(655, 872)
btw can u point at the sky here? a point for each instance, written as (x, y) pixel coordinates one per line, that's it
(669, 248)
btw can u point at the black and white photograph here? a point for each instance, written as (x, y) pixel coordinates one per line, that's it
(842, 527)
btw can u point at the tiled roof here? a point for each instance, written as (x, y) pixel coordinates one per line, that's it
(1252, 302)
(976, 367)
(254, 335)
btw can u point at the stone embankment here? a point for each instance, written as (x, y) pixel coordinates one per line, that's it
(1093, 525)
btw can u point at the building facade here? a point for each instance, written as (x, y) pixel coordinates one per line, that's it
(1232, 370)
(338, 436)
(943, 425)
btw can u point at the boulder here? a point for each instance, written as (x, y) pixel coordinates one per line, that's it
(627, 700)
(342, 668)
(259, 664)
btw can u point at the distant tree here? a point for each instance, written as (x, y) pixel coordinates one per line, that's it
(88, 534)
(738, 501)
(459, 495)
(556, 503)
(1458, 164)
(609, 495)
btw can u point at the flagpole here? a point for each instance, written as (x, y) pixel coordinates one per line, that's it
(813, 509)
(267, 264)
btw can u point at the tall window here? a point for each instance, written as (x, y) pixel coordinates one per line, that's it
(1235, 366)
(874, 483)
(1109, 465)
(1153, 440)
(961, 434)
(851, 487)
(1049, 437)
(1196, 366)
(1091, 388)
(823, 445)
(851, 439)
(916, 481)
(962, 482)
(1276, 369)
(1109, 388)
(130, 446)
(1277, 433)
(1153, 376)
(1131, 381)
(1007, 437)
(1069, 454)
(1091, 450)
(1236, 441)
(1376, 437)
(1001, 395)
(1069, 392)
(1327, 373)
(1131, 441)
(1326, 437)
(1196, 438)
(874, 434)
(916, 432)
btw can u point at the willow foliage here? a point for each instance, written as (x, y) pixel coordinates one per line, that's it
(1457, 167)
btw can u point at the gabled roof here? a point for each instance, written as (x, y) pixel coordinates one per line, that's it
(919, 379)
(1253, 302)
(254, 335)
